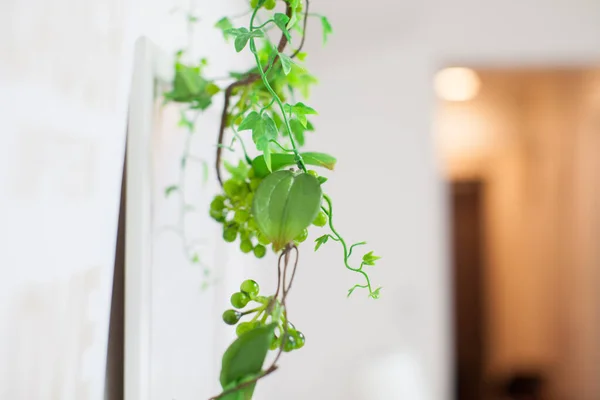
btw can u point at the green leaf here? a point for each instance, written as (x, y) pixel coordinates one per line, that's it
(190, 87)
(284, 204)
(212, 89)
(264, 130)
(242, 36)
(286, 63)
(195, 258)
(281, 20)
(370, 258)
(224, 24)
(300, 111)
(376, 293)
(244, 393)
(240, 172)
(327, 29)
(282, 160)
(321, 241)
(169, 190)
(321, 179)
(301, 56)
(246, 355)
(298, 131)
(240, 42)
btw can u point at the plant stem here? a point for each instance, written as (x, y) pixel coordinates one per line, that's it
(274, 94)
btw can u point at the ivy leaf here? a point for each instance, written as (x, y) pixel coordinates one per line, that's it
(224, 24)
(375, 294)
(240, 172)
(321, 179)
(327, 29)
(263, 131)
(298, 131)
(169, 190)
(286, 63)
(285, 204)
(190, 87)
(242, 36)
(246, 355)
(281, 20)
(300, 110)
(321, 241)
(282, 160)
(370, 258)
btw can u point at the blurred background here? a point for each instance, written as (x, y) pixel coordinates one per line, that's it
(469, 162)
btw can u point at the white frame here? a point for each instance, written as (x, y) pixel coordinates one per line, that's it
(150, 66)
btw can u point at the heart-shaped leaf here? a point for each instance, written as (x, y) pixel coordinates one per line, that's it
(285, 204)
(246, 355)
(281, 160)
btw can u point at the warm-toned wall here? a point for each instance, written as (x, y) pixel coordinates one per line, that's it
(531, 137)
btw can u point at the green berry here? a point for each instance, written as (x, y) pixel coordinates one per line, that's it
(239, 300)
(291, 327)
(231, 188)
(251, 173)
(300, 340)
(262, 239)
(269, 5)
(245, 234)
(217, 215)
(244, 327)
(252, 224)
(290, 343)
(246, 246)
(241, 216)
(313, 173)
(250, 287)
(218, 203)
(254, 183)
(248, 200)
(275, 343)
(231, 317)
(321, 219)
(260, 251)
(253, 3)
(229, 234)
(302, 236)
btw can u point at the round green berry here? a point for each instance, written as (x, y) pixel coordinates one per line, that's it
(262, 239)
(218, 203)
(290, 343)
(252, 224)
(248, 200)
(251, 173)
(269, 5)
(245, 234)
(241, 216)
(302, 236)
(253, 3)
(321, 219)
(250, 287)
(300, 340)
(260, 251)
(275, 343)
(246, 246)
(313, 173)
(231, 188)
(244, 327)
(231, 317)
(217, 215)
(229, 234)
(239, 300)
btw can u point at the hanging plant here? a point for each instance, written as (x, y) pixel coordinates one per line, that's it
(272, 199)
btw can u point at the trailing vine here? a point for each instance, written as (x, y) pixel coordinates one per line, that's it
(270, 198)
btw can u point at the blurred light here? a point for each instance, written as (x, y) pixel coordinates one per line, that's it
(457, 84)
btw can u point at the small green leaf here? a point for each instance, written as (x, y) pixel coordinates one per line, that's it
(370, 258)
(246, 355)
(281, 20)
(284, 204)
(298, 131)
(240, 172)
(240, 42)
(169, 190)
(321, 241)
(286, 63)
(282, 160)
(301, 56)
(376, 293)
(300, 111)
(212, 89)
(322, 179)
(195, 258)
(224, 24)
(327, 29)
(249, 121)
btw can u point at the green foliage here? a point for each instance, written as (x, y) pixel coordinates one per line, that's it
(327, 29)
(242, 36)
(300, 111)
(190, 87)
(282, 160)
(281, 20)
(170, 190)
(224, 24)
(246, 355)
(264, 131)
(285, 204)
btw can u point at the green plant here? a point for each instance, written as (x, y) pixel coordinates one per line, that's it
(271, 199)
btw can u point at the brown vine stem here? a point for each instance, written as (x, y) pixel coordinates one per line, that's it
(285, 255)
(249, 79)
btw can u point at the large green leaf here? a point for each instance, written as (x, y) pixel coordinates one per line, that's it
(246, 355)
(281, 160)
(285, 204)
